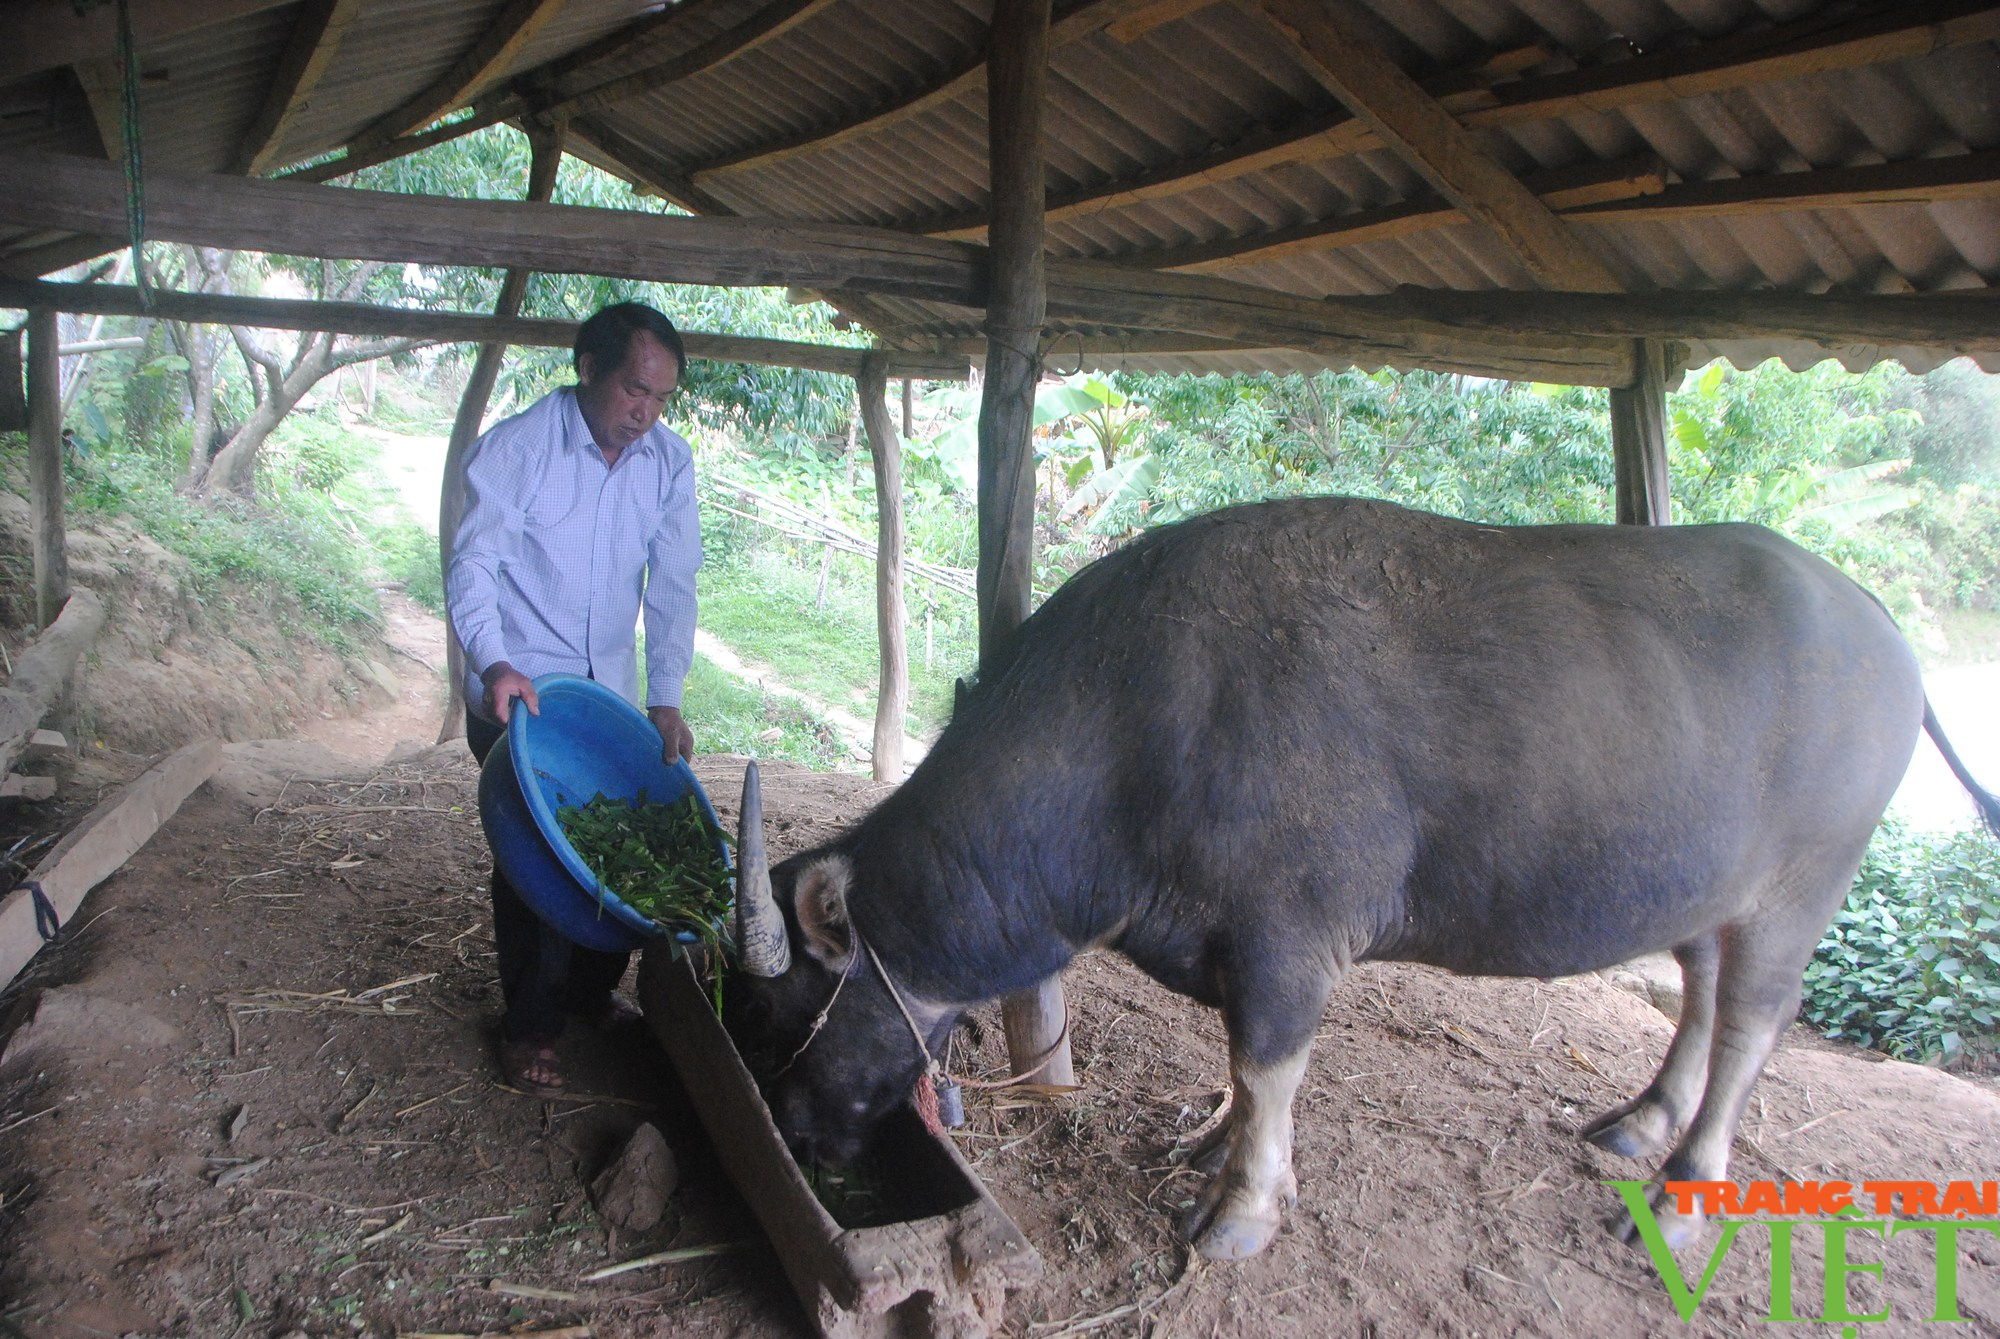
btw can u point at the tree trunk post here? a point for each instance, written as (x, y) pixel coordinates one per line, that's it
(546, 156)
(1016, 309)
(13, 407)
(886, 450)
(1639, 441)
(45, 466)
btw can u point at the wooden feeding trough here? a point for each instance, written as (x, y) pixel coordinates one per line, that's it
(937, 1256)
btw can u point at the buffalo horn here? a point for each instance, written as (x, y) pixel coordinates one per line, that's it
(761, 945)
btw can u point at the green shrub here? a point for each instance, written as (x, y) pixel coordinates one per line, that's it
(1911, 965)
(410, 555)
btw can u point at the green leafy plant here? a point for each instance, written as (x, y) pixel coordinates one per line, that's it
(662, 860)
(1911, 964)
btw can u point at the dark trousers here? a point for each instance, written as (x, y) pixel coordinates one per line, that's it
(542, 974)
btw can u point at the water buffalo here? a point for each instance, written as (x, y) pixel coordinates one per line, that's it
(1255, 748)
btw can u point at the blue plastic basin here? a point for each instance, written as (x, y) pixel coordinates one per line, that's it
(587, 741)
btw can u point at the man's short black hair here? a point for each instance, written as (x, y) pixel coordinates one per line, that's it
(607, 336)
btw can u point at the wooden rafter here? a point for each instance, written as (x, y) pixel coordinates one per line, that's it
(489, 57)
(1155, 15)
(622, 157)
(315, 40)
(359, 318)
(767, 24)
(1565, 190)
(627, 158)
(1811, 46)
(1076, 20)
(104, 89)
(1632, 191)
(1428, 137)
(1922, 181)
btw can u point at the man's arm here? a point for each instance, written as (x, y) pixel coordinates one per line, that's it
(673, 556)
(472, 583)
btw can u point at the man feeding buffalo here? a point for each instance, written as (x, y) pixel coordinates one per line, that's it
(580, 514)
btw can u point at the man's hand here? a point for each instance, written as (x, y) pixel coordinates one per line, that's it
(504, 683)
(677, 741)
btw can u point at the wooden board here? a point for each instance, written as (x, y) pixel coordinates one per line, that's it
(99, 846)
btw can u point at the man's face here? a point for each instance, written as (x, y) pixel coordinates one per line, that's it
(620, 404)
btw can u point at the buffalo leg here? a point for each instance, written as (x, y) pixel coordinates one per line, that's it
(1240, 1208)
(1646, 1125)
(1756, 994)
(1269, 1040)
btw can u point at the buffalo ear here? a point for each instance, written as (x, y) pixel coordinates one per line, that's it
(820, 898)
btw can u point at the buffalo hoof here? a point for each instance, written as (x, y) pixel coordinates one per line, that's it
(1639, 1129)
(1230, 1222)
(1677, 1229)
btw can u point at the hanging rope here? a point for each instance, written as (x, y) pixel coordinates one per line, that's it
(135, 191)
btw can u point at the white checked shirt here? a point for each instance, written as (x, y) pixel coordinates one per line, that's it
(558, 554)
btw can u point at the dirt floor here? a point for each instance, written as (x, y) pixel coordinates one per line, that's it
(252, 1095)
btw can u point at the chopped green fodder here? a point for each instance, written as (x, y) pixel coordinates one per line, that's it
(662, 860)
(853, 1196)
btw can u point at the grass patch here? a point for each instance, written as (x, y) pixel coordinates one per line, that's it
(730, 716)
(766, 609)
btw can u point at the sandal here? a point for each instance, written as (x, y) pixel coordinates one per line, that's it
(531, 1066)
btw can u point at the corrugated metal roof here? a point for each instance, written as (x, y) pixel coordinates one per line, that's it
(1203, 81)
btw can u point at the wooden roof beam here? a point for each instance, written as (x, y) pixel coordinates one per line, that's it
(82, 195)
(88, 196)
(1078, 19)
(1564, 190)
(1631, 191)
(360, 318)
(573, 97)
(489, 57)
(1889, 31)
(1431, 140)
(1916, 182)
(627, 158)
(103, 85)
(315, 40)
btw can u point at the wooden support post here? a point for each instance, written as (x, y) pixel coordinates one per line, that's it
(886, 450)
(546, 156)
(13, 406)
(1639, 441)
(909, 411)
(45, 466)
(1016, 309)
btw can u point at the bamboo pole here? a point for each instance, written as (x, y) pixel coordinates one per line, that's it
(891, 620)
